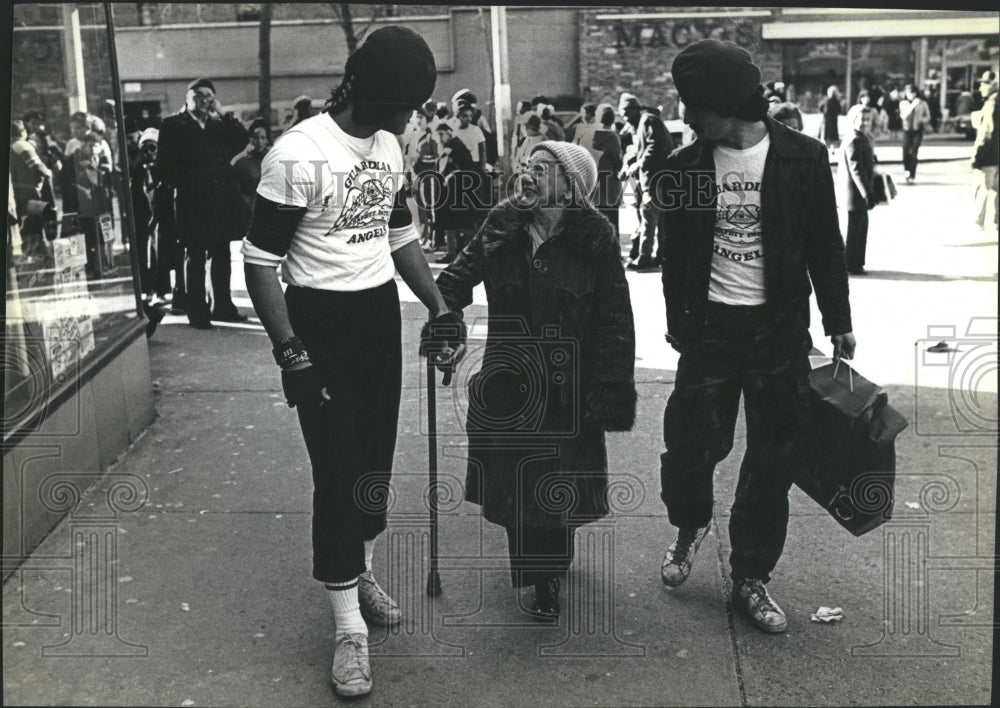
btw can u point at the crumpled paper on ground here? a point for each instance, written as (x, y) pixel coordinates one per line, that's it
(827, 615)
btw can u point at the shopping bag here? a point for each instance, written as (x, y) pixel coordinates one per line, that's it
(883, 188)
(851, 460)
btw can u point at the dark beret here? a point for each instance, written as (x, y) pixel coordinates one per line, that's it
(393, 67)
(201, 83)
(715, 75)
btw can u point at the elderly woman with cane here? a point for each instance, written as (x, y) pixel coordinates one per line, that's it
(557, 369)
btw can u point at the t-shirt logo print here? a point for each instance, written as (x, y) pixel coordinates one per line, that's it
(743, 216)
(366, 203)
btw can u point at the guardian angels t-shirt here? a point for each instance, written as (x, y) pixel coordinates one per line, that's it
(737, 253)
(348, 186)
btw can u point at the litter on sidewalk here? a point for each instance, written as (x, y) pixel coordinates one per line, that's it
(827, 615)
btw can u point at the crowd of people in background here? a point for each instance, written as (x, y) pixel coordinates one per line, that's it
(202, 165)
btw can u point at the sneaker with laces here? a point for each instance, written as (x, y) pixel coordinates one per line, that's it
(751, 596)
(376, 605)
(677, 562)
(351, 674)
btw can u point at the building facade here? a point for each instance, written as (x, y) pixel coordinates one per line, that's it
(569, 54)
(808, 49)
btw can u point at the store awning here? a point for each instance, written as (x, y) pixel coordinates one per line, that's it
(869, 29)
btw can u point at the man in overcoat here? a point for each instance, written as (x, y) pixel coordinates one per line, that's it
(195, 150)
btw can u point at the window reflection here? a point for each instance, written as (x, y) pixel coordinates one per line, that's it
(70, 287)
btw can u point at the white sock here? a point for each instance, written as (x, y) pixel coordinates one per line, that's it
(369, 552)
(346, 610)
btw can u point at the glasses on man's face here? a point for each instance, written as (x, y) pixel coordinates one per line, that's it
(204, 96)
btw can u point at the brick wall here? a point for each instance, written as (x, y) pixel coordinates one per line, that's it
(635, 55)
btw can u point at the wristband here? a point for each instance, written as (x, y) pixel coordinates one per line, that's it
(289, 352)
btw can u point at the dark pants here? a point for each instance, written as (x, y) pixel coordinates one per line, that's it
(911, 146)
(739, 350)
(353, 338)
(197, 304)
(142, 247)
(165, 257)
(857, 238)
(537, 554)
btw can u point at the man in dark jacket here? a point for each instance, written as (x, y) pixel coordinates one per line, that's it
(196, 147)
(856, 174)
(750, 218)
(645, 161)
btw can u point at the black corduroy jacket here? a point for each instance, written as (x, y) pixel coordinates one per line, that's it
(801, 234)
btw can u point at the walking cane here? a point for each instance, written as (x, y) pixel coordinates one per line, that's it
(433, 578)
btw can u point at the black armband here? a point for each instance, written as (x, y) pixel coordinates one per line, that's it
(289, 352)
(272, 225)
(400, 215)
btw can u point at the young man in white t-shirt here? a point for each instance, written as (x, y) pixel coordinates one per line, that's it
(330, 211)
(750, 218)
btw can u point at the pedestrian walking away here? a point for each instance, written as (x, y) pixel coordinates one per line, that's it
(856, 173)
(195, 150)
(557, 301)
(737, 291)
(339, 235)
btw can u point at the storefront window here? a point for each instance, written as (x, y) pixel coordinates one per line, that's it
(810, 67)
(70, 289)
(957, 63)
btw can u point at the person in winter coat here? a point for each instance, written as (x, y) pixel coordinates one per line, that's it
(558, 368)
(457, 215)
(195, 150)
(246, 170)
(855, 174)
(85, 182)
(608, 194)
(831, 109)
(29, 177)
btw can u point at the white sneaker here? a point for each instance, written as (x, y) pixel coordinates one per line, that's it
(351, 675)
(376, 605)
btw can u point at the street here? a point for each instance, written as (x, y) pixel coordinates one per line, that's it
(209, 600)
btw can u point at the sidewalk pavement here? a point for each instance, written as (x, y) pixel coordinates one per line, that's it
(201, 592)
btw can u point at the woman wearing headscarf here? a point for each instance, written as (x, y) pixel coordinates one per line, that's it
(558, 366)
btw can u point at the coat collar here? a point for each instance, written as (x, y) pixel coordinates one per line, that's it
(786, 143)
(584, 230)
